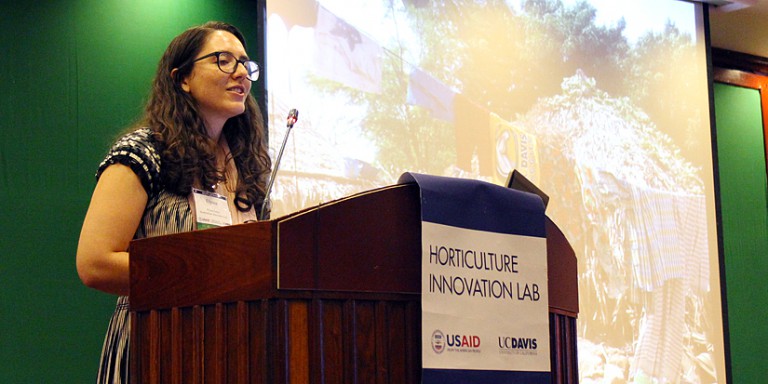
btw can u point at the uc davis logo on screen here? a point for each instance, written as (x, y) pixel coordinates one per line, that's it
(454, 342)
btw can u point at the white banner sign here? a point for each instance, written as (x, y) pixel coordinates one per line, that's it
(485, 311)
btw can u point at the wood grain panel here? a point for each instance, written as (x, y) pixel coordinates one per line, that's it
(365, 342)
(329, 323)
(177, 346)
(165, 346)
(258, 341)
(298, 342)
(202, 267)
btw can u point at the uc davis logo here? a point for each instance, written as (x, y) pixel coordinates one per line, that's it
(510, 345)
(438, 341)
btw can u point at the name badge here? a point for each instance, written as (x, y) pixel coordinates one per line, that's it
(211, 209)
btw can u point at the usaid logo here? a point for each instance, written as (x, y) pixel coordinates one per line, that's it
(464, 341)
(438, 341)
(454, 343)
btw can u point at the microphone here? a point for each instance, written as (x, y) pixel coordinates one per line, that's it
(293, 116)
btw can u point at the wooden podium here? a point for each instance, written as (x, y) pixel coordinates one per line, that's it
(330, 294)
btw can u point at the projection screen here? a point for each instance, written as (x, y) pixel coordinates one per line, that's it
(603, 104)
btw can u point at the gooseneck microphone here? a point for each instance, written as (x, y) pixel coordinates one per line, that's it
(293, 116)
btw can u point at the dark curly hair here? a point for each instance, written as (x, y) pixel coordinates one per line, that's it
(188, 153)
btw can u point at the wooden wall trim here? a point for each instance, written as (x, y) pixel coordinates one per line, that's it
(726, 59)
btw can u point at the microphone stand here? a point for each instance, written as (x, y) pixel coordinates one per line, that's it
(293, 116)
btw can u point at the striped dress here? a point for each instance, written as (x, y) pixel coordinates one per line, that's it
(166, 213)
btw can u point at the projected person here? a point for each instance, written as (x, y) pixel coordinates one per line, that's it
(201, 134)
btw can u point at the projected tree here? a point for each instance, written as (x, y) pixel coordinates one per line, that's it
(649, 78)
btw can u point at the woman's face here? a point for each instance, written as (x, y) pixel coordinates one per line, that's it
(219, 95)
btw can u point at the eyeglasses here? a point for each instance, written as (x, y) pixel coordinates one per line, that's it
(228, 64)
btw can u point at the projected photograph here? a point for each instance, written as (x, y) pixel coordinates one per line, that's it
(602, 104)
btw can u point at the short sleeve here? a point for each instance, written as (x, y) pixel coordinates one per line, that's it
(137, 151)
